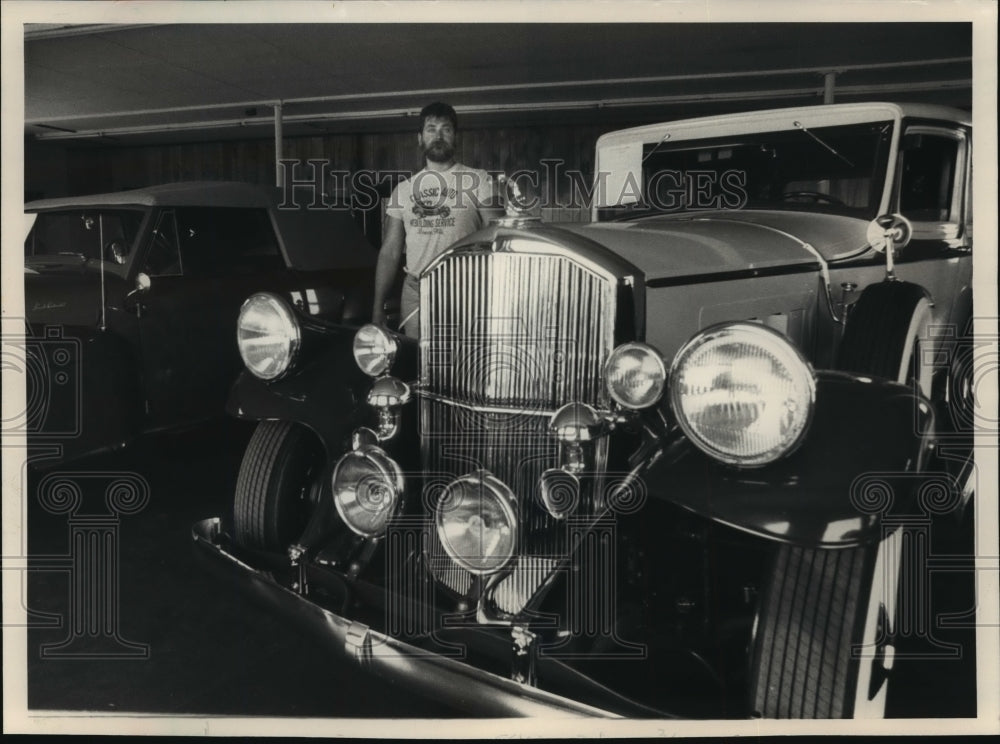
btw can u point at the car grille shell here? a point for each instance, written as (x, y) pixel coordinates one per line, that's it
(506, 339)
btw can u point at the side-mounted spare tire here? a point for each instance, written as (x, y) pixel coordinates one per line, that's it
(823, 641)
(884, 334)
(273, 491)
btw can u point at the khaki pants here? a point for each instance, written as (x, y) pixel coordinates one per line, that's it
(409, 306)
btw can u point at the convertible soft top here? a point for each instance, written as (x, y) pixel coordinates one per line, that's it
(181, 194)
(313, 239)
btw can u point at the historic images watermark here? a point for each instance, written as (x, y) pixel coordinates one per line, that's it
(316, 184)
(47, 361)
(93, 503)
(906, 506)
(581, 548)
(967, 361)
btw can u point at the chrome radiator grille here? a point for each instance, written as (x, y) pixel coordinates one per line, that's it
(515, 330)
(506, 339)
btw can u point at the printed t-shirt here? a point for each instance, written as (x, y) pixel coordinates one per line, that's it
(438, 208)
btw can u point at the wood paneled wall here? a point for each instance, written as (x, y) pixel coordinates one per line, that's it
(95, 169)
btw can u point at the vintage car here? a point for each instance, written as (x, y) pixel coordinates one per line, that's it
(661, 464)
(132, 300)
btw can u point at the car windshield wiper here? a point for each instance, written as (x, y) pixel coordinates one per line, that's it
(799, 125)
(664, 138)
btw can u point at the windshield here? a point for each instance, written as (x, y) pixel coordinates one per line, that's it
(838, 169)
(83, 235)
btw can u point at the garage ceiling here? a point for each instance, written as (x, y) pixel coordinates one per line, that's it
(166, 83)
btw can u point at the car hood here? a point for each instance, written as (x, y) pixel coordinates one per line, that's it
(674, 246)
(67, 298)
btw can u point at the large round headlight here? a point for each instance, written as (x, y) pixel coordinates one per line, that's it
(476, 523)
(635, 375)
(742, 393)
(268, 335)
(367, 486)
(374, 349)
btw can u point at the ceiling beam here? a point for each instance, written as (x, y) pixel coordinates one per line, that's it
(445, 93)
(37, 31)
(753, 95)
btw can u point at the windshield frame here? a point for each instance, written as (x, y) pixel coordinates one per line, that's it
(69, 260)
(618, 154)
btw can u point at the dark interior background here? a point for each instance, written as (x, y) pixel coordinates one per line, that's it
(117, 107)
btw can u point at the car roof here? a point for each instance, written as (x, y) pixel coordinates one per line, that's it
(182, 194)
(311, 239)
(771, 119)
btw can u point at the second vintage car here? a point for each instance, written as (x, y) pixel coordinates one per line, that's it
(132, 300)
(664, 464)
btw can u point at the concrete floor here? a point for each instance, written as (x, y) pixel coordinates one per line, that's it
(210, 650)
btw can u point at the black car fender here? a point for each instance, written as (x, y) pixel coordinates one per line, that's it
(861, 461)
(325, 394)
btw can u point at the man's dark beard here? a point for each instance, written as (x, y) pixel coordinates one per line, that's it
(439, 152)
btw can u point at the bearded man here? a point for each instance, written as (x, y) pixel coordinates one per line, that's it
(428, 212)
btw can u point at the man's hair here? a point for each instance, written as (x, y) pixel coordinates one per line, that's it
(438, 110)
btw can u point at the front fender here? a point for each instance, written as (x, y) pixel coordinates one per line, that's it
(326, 395)
(860, 467)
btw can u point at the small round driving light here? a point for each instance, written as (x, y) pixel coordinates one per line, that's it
(476, 523)
(268, 335)
(374, 349)
(576, 422)
(742, 393)
(367, 486)
(635, 375)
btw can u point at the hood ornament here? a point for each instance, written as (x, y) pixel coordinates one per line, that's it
(519, 209)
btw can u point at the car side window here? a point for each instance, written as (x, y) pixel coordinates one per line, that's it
(930, 173)
(163, 257)
(227, 240)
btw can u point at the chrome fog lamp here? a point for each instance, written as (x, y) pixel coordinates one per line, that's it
(576, 426)
(268, 335)
(742, 393)
(367, 487)
(635, 375)
(374, 349)
(387, 395)
(476, 522)
(576, 422)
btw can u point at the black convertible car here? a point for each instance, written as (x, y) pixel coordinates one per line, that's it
(132, 300)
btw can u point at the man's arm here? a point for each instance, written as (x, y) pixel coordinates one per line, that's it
(389, 258)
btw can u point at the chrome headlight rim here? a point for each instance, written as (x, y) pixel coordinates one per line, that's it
(503, 496)
(388, 471)
(292, 331)
(653, 355)
(798, 363)
(387, 354)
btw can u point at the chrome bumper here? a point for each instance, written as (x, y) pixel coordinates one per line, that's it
(448, 680)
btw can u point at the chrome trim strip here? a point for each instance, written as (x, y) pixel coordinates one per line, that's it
(824, 266)
(447, 678)
(603, 413)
